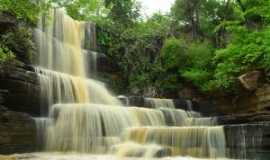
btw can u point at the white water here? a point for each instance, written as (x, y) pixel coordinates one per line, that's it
(76, 156)
(85, 118)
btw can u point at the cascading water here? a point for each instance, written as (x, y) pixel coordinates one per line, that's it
(82, 116)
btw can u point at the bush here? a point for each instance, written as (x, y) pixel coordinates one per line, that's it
(19, 42)
(199, 69)
(25, 10)
(174, 54)
(6, 55)
(247, 51)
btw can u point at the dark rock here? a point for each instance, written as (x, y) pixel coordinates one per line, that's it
(17, 132)
(7, 21)
(20, 90)
(164, 152)
(100, 63)
(250, 80)
(244, 118)
(124, 100)
(247, 141)
(263, 95)
(136, 101)
(105, 64)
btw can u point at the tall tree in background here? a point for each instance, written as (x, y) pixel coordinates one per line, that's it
(187, 12)
(202, 17)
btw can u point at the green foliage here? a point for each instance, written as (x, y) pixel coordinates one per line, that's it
(174, 53)
(199, 69)
(93, 10)
(203, 43)
(247, 51)
(256, 11)
(6, 55)
(123, 12)
(200, 54)
(200, 17)
(19, 42)
(25, 10)
(199, 77)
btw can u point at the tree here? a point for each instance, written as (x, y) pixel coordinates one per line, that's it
(24, 10)
(123, 12)
(84, 9)
(187, 12)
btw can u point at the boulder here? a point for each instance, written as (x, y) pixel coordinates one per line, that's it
(250, 80)
(17, 132)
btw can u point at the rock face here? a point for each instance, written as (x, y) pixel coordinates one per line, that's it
(250, 80)
(244, 118)
(17, 132)
(248, 141)
(7, 21)
(19, 89)
(263, 95)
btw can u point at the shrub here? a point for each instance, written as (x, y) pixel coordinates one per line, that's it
(6, 55)
(174, 53)
(25, 10)
(199, 69)
(19, 42)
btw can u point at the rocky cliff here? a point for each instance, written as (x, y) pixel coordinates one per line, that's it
(17, 132)
(19, 89)
(19, 95)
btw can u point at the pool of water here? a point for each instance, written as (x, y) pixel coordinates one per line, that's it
(76, 156)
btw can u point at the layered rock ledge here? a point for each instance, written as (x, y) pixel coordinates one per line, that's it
(19, 89)
(17, 132)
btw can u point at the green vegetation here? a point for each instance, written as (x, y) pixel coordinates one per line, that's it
(16, 40)
(6, 55)
(25, 10)
(204, 44)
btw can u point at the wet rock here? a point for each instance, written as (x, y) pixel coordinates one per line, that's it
(140, 101)
(244, 118)
(19, 89)
(250, 80)
(136, 101)
(17, 132)
(263, 95)
(105, 64)
(123, 99)
(100, 63)
(164, 152)
(248, 141)
(7, 21)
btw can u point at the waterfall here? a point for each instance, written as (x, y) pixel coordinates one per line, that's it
(192, 141)
(159, 103)
(83, 116)
(41, 125)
